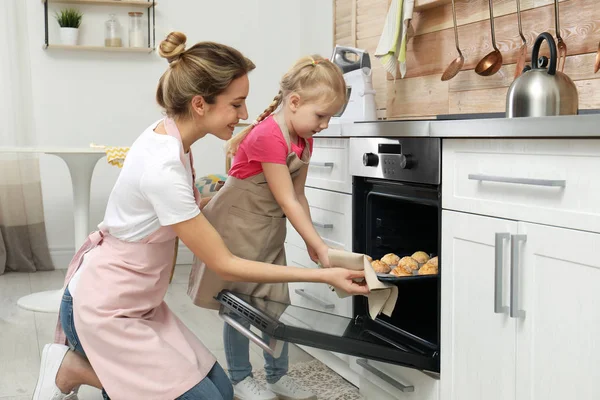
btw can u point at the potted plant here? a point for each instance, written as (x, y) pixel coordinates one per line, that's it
(69, 20)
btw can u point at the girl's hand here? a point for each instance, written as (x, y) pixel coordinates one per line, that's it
(343, 279)
(319, 256)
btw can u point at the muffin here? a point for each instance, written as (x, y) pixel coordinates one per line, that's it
(421, 257)
(409, 263)
(428, 269)
(380, 267)
(390, 259)
(433, 261)
(402, 271)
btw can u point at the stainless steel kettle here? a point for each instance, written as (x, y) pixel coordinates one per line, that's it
(541, 92)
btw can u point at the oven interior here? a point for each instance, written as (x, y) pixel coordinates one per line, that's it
(393, 217)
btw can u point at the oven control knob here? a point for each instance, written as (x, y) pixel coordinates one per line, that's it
(370, 160)
(406, 161)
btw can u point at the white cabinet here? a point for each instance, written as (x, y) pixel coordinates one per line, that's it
(557, 341)
(521, 281)
(382, 381)
(477, 344)
(552, 336)
(329, 194)
(546, 181)
(329, 167)
(331, 214)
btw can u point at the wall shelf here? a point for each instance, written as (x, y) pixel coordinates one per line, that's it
(148, 4)
(101, 48)
(124, 3)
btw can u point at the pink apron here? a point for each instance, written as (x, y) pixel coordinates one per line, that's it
(135, 343)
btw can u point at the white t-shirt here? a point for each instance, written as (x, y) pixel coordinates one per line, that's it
(153, 189)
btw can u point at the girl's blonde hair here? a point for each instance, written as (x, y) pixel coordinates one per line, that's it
(205, 69)
(313, 78)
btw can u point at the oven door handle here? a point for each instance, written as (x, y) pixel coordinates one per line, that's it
(363, 362)
(274, 347)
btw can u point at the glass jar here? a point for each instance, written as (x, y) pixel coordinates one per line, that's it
(136, 33)
(112, 32)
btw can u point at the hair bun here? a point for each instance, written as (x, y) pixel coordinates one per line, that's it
(173, 46)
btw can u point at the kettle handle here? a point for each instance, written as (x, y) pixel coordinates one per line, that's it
(536, 49)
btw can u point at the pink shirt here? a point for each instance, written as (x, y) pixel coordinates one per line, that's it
(264, 144)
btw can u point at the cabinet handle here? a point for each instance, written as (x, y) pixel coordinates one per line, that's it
(322, 225)
(514, 276)
(314, 299)
(498, 266)
(363, 362)
(321, 164)
(274, 347)
(520, 181)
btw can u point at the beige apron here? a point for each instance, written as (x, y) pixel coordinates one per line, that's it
(253, 227)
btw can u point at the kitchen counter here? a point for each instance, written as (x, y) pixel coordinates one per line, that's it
(575, 126)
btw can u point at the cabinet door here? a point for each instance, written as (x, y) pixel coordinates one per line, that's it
(477, 343)
(558, 348)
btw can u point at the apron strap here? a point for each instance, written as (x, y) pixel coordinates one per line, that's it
(278, 117)
(173, 131)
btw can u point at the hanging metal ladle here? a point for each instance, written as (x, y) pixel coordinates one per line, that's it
(456, 64)
(523, 50)
(492, 62)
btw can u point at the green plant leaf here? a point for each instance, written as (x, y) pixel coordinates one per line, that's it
(69, 18)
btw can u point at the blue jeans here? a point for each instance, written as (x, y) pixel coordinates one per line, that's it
(216, 385)
(237, 353)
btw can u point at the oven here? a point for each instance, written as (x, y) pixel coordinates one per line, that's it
(396, 209)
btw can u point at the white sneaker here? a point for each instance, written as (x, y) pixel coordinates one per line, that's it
(46, 389)
(249, 389)
(287, 389)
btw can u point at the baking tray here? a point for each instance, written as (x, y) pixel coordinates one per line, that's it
(391, 278)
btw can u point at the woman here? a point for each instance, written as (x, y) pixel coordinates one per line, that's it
(126, 340)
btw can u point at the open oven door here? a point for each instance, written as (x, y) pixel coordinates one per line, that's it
(359, 337)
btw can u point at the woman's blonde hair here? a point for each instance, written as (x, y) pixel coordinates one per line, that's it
(205, 69)
(313, 78)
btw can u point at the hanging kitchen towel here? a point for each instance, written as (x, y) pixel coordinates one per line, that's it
(114, 155)
(383, 296)
(391, 49)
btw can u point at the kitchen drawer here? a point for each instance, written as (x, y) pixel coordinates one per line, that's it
(384, 381)
(298, 257)
(332, 216)
(328, 168)
(316, 296)
(553, 182)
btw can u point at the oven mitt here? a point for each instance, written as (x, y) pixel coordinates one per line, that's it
(383, 296)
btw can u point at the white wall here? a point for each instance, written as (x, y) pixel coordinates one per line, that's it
(108, 98)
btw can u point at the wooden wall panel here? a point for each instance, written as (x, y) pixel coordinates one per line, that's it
(431, 53)
(470, 11)
(431, 48)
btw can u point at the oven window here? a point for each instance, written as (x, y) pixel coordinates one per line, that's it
(400, 226)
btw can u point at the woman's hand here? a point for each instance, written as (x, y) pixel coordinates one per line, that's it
(343, 279)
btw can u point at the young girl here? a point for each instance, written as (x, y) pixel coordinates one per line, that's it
(266, 185)
(124, 336)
